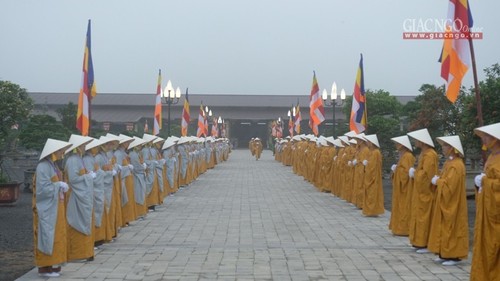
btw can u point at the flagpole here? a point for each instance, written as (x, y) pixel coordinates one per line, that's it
(477, 91)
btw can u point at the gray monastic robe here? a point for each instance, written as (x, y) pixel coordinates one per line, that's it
(139, 178)
(81, 199)
(90, 165)
(120, 155)
(47, 202)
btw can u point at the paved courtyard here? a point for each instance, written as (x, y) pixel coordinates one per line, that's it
(256, 220)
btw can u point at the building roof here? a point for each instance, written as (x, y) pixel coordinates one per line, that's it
(116, 107)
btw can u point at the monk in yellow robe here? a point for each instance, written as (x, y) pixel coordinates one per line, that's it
(423, 193)
(401, 185)
(449, 233)
(362, 153)
(486, 249)
(257, 148)
(373, 201)
(49, 221)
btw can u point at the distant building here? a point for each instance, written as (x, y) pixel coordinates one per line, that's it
(245, 116)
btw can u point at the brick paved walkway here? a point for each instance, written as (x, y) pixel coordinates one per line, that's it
(256, 220)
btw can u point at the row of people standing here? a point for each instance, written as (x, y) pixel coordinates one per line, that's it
(349, 167)
(429, 204)
(105, 184)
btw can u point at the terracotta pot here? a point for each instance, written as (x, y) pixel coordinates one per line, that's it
(9, 192)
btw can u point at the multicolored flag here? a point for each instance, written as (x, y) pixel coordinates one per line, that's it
(185, 116)
(201, 122)
(87, 90)
(205, 131)
(298, 118)
(290, 122)
(157, 119)
(273, 129)
(215, 130)
(316, 109)
(455, 55)
(279, 131)
(358, 120)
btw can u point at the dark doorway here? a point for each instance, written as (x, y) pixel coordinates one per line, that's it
(244, 130)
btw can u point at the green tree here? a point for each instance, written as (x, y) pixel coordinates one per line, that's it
(15, 107)
(39, 128)
(67, 114)
(383, 117)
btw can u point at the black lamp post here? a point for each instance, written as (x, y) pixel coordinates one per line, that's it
(333, 102)
(169, 97)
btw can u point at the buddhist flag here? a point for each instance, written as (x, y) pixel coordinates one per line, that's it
(205, 132)
(201, 122)
(215, 131)
(273, 129)
(87, 90)
(358, 120)
(455, 55)
(185, 116)
(316, 109)
(146, 127)
(290, 122)
(157, 119)
(298, 118)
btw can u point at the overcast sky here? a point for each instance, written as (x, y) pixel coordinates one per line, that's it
(230, 46)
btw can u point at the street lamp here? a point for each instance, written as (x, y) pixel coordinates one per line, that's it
(219, 122)
(170, 96)
(333, 102)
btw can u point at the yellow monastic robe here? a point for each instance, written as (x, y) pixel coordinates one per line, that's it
(449, 233)
(257, 148)
(337, 172)
(401, 200)
(359, 175)
(129, 212)
(422, 198)
(323, 176)
(373, 201)
(486, 249)
(59, 248)
(348, 174)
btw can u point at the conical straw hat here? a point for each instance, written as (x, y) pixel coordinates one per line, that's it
(350, 134)
(360, 136)
(345, 140)
(423, 136)
(404, 141)
(125, 138)
(93, 143)
(373, 139)
(77, 140)
(148, 137)
(338, 143)
(353, 141)
(136, 142)
(105, 139)
(492, 130)
(52, 145)
(158, 139)
(453, 141)
(168, 143)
